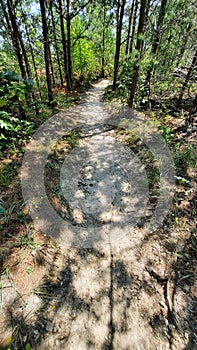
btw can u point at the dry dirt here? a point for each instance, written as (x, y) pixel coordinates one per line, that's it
(126, 288)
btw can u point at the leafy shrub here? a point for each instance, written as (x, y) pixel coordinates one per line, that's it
(13, 96)
(185, 158)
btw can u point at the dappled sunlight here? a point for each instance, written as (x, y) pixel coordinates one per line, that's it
(109, 282)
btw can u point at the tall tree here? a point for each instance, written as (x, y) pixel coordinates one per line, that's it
(68, 26)
(16, 37)
(103, 40)
(133, 26)
(129, 29)
(139, 44)
(156, 40)
(64, 45)
(120, 14)
(184, 43)
(56, 43)
(46, 50)
(187, 78)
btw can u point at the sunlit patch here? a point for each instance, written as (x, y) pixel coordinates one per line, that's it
(78, 216)
(126, 187)
(79, 194)
(105, 216)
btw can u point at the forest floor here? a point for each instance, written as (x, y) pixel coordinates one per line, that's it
(104, 280)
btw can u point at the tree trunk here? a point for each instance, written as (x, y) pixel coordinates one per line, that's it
(138, 48)
(46, 50)
(68, 23)
(6, 17)
(193, 65)
(183, 46)
(103, 41)
(16, 38)
(145, 21)
(32, 56)
(120, 14)
(133, 27)
(64, 46)
(51, 67)
(156, 40)
(129, 30)
(56, 45)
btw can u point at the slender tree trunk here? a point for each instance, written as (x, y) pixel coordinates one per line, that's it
(6, 18)
(22, 45)
(195, 104)
(16, 38)
(52, 69)
(103, 41)
(10, 31)
(64, 46)
(159, 25)
(120, 15)
(133, 27)
(156, 40)
(68, 24)
(138, 48)
(129, 30)
(29, 72)
(26, 60)
(46, 50)
(32, 57)
(183, 46)
(166, 57)
(56, 45)
(187, 78)
(145, 22)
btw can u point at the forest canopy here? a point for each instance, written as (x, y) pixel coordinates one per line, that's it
(147, 48)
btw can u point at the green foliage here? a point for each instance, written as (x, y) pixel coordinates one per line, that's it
(73, 138)
(185, 158)
(13, 91)
(166, 132)
(7, 174)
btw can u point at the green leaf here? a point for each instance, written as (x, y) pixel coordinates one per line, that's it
(29, 270)
(27, 346)
(2, 210)
(5, 125)
(3, 103)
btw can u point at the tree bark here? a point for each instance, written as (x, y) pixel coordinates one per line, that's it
(68, 23)
(56, 45)
(120, 14)
(156, 40)
(64, 45)
(187, 78)
(103, 41)
(138, 48)
(129, 30)
(183, 46)
(32, 56)
(16, 38)
(133, 27)
(46, 51)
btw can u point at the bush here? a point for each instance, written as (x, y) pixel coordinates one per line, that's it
(13, 98)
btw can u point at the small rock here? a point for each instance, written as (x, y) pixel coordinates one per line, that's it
(49, 326)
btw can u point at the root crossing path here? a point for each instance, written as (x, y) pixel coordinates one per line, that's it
(106, 290)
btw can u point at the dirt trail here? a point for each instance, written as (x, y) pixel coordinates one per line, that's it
(118, 292)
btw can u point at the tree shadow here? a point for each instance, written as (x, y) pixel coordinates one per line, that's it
(116, 285)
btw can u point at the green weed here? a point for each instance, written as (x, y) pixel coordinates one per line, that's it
(186, 158)
(73, 138)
